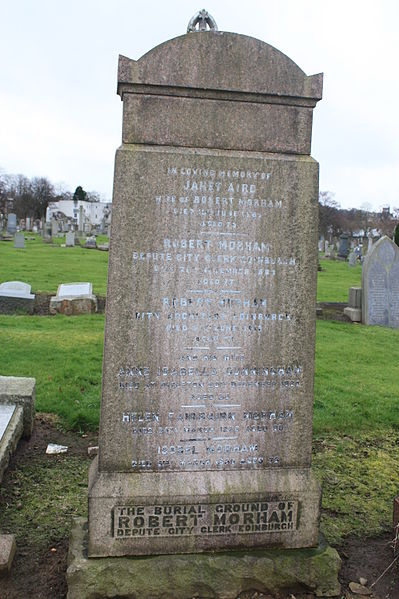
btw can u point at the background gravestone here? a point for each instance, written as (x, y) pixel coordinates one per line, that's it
(70, 239)
(352, 258)
(12, 223)
(19, 240)
(380, 284)
(343, 249)
(206, 417)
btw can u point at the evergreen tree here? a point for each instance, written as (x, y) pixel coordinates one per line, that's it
(79, 194)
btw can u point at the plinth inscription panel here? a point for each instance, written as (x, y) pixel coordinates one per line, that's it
(209, 351)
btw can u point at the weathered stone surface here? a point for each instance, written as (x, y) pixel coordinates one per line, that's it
(380, 284)
(73, 299)
(263, 367)
(213, 576)
(355, 314)
(72, 306)
(20, 391)
(196, 512)
(206, 417)
(218, 80)
(11, 428)
(355, 297)
(7, 552)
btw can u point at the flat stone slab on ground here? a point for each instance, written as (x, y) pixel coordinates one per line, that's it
(20, 391)
(207, 575)
(7, 552)
(11, 427)
(6, 412)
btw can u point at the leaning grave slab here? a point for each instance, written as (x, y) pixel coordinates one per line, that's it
(16, 296)
(74, 298)
(206, 416)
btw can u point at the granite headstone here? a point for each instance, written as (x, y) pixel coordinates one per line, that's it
(207, 397)
(380, 284)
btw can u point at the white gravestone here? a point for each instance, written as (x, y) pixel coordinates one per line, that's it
(16, 296)
(16, 289)
(74, 290)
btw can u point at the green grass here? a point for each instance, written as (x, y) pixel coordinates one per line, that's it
(64, 355)
(356, 381)
(334, 280)
(44, 495)
(44, 266)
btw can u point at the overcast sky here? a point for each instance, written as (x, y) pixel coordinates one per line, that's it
(60, 116)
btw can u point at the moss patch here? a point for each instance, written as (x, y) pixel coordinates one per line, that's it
(359, 478)
(42, 496)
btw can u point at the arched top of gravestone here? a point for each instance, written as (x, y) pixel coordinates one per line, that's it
(384, 251)
(215, 60)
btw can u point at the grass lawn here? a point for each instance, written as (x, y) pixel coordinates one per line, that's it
(334, 280)
(45, 266)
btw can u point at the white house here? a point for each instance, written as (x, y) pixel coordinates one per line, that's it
(93, 213)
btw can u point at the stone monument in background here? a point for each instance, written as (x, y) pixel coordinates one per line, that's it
(207, 398)
(380, 284)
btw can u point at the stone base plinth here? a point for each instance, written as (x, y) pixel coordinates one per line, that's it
(202, 575)
(355, 314)
(190, 512)
(14, 305)
(73, 306)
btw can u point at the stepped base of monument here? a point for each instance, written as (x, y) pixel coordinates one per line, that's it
(202, 575)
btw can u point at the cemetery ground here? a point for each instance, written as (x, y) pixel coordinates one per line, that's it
(356, 425)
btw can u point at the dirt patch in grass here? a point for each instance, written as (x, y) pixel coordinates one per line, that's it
(40, 494)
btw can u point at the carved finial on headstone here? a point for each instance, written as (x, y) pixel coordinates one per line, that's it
(201, 21)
